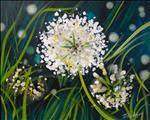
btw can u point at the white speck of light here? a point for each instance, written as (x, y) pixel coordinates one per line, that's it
(131, 60)
(25, 61)
(113, 37)
(2, 27)
(132, 27)
(84, 13)
(141, 9)
(144, 74)
(31, 9)
(109, 5)
(21, 34)
(145, 59)
(142, 14)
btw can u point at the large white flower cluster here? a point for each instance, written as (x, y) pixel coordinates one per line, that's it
(71, 42)
(114, 91)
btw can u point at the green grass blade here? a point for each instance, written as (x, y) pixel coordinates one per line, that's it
(4, 41)
(11, 102)
(6, 59)
(111, 49)
(131, 10)
(131, 104)
(103, 113)
(73, 101)
(66, 102)
(142, 116)
(138, 104)
(113, 15)
(4, 106)
(127, 111)
(54, 113)
(75, 112)
(20, 57)
(50, 110)
(68, 113)
(146, 105)
(140, 110)
(129, 50)
(128, 40)
(24, 105)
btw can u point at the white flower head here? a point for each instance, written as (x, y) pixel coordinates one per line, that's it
(72, 42)
(18, 83)
(113, 92)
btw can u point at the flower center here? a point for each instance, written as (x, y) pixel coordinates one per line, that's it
(71, 44)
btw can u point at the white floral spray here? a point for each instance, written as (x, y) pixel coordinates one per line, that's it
(71, 42)
(113, 90)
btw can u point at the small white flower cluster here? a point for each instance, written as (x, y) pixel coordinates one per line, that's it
(71, 42)
(36, 92)
(18, 83)
(112, 91)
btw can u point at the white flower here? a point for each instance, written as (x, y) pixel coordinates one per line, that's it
(116, 92)
(17, 82)
(72, 42)
(95, 75)
(112, 77)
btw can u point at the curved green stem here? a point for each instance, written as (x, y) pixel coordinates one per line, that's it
(125, 54)
(128, 41)
(115, 15)
(103, 113)
(5, 109)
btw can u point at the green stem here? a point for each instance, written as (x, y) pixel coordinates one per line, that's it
(115, 15)
(24, 105)
(127, 111)
(128, 41)
(5, 109)
(103, 113)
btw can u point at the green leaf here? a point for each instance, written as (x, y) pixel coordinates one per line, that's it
(24, 105)
(4, 106)
(127, 42)
(129, 50)
(127, 111)
(112, 16)
(11, 102)
(102, 112)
